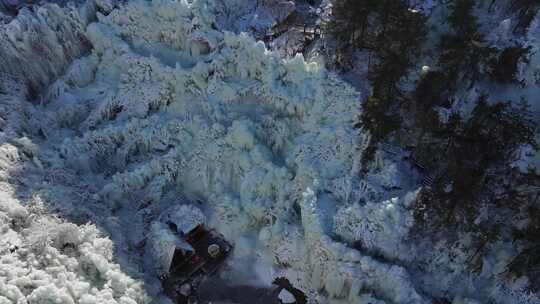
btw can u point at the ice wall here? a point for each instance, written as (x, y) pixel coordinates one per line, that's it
(44, 259)
(165, 106)
(53, 34)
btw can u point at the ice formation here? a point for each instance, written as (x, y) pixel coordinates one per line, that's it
(125, 115)
(166, 109)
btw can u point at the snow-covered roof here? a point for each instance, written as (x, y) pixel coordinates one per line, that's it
(286, 297)
(185, 217)
(163, 243)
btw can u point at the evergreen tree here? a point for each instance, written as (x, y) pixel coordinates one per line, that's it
(527, 262)
(393, 33)
(463, 51)
(375, 118)
(503, 68)
(431, 91)
(478, 148)
(462, 18)
(349, 24)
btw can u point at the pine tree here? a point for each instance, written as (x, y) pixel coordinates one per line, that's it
(527, 262)
(393, 34)
(349, 24)
(462, 18)
(483, 145)
(503, 68)
(464, 51)
(431, 91)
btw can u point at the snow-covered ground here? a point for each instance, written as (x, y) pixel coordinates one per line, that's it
(112, 114)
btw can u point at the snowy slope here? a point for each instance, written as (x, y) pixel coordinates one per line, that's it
(46, 260)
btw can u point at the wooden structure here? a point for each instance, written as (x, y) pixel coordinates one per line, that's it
(190, 267)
